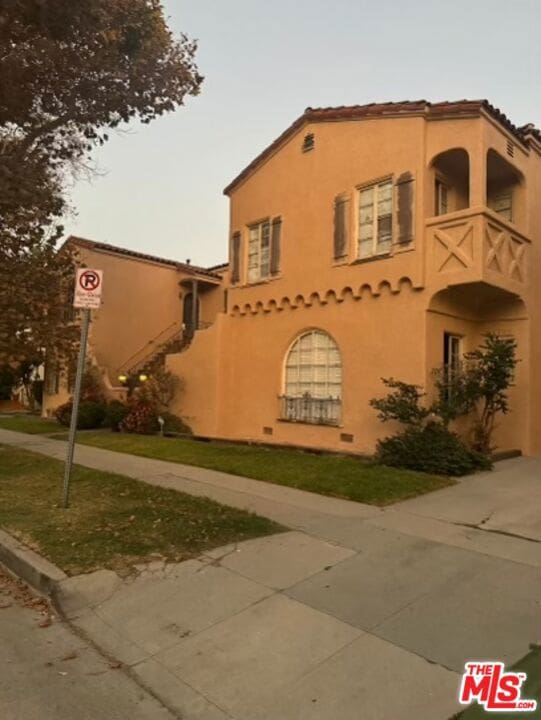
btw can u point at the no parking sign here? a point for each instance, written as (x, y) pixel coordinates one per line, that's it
(87, 295)
(88, 287)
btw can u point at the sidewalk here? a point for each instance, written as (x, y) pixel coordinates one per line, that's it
(357, 612)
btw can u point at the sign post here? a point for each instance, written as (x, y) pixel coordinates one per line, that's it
(88, 287)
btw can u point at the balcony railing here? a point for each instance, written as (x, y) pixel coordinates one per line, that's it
(308, 409)
(475, 245)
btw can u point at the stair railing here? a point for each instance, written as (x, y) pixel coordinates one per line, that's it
(151, 348)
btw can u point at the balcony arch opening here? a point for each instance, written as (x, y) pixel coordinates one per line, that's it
(451, 181)
(505, 188)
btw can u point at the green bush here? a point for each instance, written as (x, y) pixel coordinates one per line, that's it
(91, 414)
(174, 424)
(8, 378)
(63, 413)
(115, 413)
(431, 449)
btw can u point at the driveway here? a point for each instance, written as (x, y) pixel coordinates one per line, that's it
(506, 500)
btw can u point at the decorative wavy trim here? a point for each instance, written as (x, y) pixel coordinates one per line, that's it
(330, 296)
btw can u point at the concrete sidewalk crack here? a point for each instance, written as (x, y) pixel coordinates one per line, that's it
(496, 531)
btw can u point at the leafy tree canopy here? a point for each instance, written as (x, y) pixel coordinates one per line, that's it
(70, 72)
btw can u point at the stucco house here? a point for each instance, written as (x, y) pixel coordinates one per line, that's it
(147, 311)
(365, 242)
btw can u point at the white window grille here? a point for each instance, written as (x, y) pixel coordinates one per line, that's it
(259, 251)
(313, 380)
(375, 219)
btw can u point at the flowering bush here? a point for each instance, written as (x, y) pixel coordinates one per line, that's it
(142, 418)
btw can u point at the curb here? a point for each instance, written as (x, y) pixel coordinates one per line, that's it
(19, 559)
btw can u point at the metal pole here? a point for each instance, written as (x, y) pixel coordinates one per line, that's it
(75, 409)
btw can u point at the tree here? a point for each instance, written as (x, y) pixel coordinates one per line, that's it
(71, 71)
(479, 387)
(402, 404)
(160, 389)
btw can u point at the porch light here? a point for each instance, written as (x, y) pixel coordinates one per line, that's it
(143, 378)
(122, 379)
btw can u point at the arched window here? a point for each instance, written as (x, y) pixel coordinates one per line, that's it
(313, 380)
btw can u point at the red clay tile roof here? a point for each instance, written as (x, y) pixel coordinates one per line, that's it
(388, 109)
(218, 268)
(185, 267)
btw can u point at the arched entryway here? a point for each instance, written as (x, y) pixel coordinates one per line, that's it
(458, 319)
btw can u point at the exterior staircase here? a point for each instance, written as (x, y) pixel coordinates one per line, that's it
(151, 356)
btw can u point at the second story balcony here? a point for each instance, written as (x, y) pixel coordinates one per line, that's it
(477, 245)
(478, 231)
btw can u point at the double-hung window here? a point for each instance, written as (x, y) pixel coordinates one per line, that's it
(375, 219)
(259, 251)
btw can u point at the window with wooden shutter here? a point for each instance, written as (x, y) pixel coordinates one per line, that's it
(404, 189)
(341, 213)
(276, 235)
(375, 219)
(235, 258)
(259, 251)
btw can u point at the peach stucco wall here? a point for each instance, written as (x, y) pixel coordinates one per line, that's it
(381, 312)
(141, 308)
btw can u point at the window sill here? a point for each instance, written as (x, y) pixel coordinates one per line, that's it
(255, 283)
(309, 422)
(372, 258)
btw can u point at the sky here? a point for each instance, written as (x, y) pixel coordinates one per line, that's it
(159, 188)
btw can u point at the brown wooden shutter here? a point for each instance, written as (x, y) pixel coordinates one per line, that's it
(235, 258)
(341, 213)
(405, 194)
(275, 245)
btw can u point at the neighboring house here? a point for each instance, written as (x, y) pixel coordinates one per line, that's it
(365, 242)
(147, 310)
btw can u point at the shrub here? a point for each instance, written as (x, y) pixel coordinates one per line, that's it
(8, 378)
(115, 412)
(142, 418)
(403, 404)
(92, 385)
(174, 424)
(63, 413)
(91, 414)
(160, 389)
(432, 449)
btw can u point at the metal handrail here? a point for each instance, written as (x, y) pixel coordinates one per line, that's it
(308, 409)
(146, 346)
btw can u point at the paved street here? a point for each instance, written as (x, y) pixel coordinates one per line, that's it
(50, 673)
(357, 612)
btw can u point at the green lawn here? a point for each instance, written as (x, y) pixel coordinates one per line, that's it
(30, 424)
(334, 475)
(113, 521)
